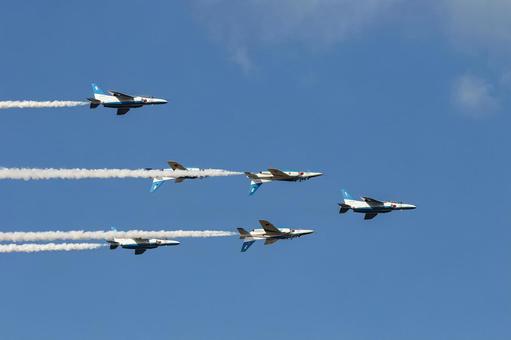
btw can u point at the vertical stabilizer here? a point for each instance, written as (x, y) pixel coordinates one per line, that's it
(254, 186)
(157, 182)
(98, 91)
(346, 195)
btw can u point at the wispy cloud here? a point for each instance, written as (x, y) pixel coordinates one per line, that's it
(479, 25)
(474, 96)
(249, 24)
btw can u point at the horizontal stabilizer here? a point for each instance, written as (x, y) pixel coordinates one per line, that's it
(113, 246)
(243, 232)
(343, 208)
(94, 103)
(251, 175)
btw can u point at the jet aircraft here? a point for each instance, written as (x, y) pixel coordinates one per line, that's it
(257, 179)
(269, 233)
(140, 245)
(122, 102)
(158, 181)
(370, 206)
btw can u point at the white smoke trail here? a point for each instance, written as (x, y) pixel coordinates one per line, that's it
(34, 247)
(37, 174)
(23, 104)
(75, 235)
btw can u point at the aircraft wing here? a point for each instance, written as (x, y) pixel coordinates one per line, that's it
(176, 166)
(370, 216)
(140, 240)
(371, 200)
(268, 227)
(278, 173)
(121, 111)
(270, 241)
(121, 95)
(139, 251)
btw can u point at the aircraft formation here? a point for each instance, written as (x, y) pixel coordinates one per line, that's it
(178, 173)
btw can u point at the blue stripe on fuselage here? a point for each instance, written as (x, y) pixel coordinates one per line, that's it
(140, 246)
(124, 104)
(375, 210)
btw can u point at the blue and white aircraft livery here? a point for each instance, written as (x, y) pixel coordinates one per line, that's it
(140, 245)
(122, 102)
(370, 206)
(257, 179)
(269, 233)
(178, 178)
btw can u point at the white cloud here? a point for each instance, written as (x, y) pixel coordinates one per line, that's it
(479, 25)
(315, 24)
(474, 96)
(240, 56)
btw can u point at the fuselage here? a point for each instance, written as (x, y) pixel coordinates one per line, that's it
(173, 174)
(129, 243)
(138, 101)
(292, 176)
(283, 234)
(384, 207)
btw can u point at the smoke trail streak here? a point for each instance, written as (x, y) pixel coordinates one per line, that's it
(23, 104)
(38, 174)
(34, 247)
(75, 235)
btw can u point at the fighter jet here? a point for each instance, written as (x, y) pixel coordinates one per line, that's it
(257, 179)
(158, 181)
(140, 245)
(122, 102)
(370, 206)
(269, 233)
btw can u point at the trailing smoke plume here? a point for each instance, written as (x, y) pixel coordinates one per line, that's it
(37, 174)
(75, 235)
(23, 104)
(34, 247)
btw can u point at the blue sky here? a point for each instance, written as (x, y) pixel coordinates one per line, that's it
(391, 99)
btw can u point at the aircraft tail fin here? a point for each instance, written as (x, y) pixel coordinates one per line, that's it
(157, 182)
(246, 245)
(254, 186)
(346, 195)
(97, 90)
